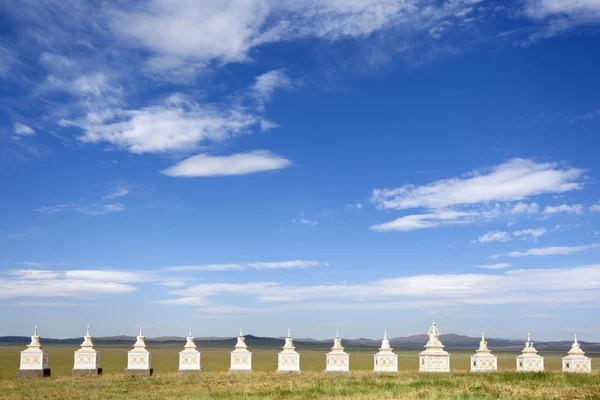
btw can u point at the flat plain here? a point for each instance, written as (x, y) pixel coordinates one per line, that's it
(264, 383)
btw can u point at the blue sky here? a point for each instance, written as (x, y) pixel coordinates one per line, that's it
(353, 164)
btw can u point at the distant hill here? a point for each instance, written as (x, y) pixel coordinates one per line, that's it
(415, 342)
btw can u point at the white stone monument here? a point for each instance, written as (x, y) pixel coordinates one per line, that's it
(289, 359)
(483, 360)
(337, 359)
(576, 361)
(385, 360)
(34, 359)
(529, 360)
(189, 357)
(434, 358)
(241, 358)
(87, 359)
(138, 359)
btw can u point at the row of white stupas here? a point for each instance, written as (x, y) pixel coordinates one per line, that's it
(34, 360)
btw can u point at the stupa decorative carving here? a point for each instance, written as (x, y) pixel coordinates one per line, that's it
(385, 360)
(576, 361)
(288, 359)
(434, 358)
(241, 358)
(529, 360)
(34, 359)
(483, 360)
(189, 357)
(337, 359)
(139, 359)
(87, 359)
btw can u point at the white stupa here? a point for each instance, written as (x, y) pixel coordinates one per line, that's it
(529, 360)
(337, 359)
(289, 359)
(87, 359)
(385, 360)
(483, 360)
(189, 357)
(138, 359)
(34, 359)
(241, 358)
(434, 358)
(576, 361)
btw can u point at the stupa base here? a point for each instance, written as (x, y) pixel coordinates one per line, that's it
(283, 371)
(240, 371)
(190, 371)
(34, 373)
(139, 372)
(87, 372)
(385, 372)
(336, 372)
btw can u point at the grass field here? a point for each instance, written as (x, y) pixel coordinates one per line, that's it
(265, 383)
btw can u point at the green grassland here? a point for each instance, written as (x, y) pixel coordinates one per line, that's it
(216, 383)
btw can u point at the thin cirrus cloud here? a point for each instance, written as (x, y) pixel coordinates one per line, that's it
(204, 165)
(24, 130)
(495, 266)
(578, 285)
(524, 208)
(459, 200)
(496, 236)
(564, 208)
(548, 251)
(595, 208)
(116, 194)
(86, 209)
(73, 283)
(250, 265)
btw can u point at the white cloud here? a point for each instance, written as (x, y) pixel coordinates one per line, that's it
(422, 221)
(308, 222)
(115, 194)
(595, 208)
(495, 266)
(176, 125)
(566, 208)
(589, 116)
(187, 301)
(551, 286)
(515, 180)
(30, 263)
(171, 283)
(42, 304)
(550, 251)
(530, 234)
(524, 208)
(204, 165)
(227, 31)
(266, 84)
(24, 130)
(495, 236)
(250, 265)
(86, 209)
(356, 206)
(560, 16)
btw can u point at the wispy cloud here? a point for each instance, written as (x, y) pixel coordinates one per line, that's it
(495, 236)
(495, 266)
(530, 234)
(115, 194)
(250, 265)
(43, 304)
(566, 208)
(452, 201)
(524, 208)
(595, 208)
(587, 117)
(557, 286)
(558, 17)
(548, 251)
(356, 206)
(86, 209)
(308, 222)
(266, 84)
(24, 130)
(204, 165)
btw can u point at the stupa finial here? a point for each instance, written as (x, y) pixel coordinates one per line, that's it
(482, 337)
(575, 338)
(87, 332)
(35, 331)
(289, 333)
(141, 331)
(241, 332)
(190, 332)
(337, 333)
(385, 334)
